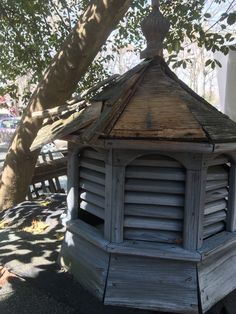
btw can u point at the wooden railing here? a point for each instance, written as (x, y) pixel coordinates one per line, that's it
(50, 169)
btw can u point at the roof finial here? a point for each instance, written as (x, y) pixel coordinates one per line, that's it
(156, 3)
(155, 27)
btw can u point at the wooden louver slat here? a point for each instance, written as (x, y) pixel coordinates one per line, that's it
(215, 211)
(154, 200)
(92, 183)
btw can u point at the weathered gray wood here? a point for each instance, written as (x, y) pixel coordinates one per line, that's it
(225, 147)
(87, 262)
(217, 173)
(220, 242)
(216, 277)
(72, 183)
(215, 206)
(150, 223)
(194, 208)
(214, 218)
(168, 146)
(155, 161)
(151, 235)
(92, 154)
(154, 198)
(217, 194)
(108, 196)
(152, 284)
(87, 232)
(92, 175)
(93, 209)
(157, 173)
(219, 160)
(175, 187)
(118, 182)
(231, 219)
(213, 229)
(93, 164)
(92, 198)
(212, 185)
(92, 187)
(168, 212)
(155, 250)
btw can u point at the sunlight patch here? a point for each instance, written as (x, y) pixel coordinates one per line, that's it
(36, 227)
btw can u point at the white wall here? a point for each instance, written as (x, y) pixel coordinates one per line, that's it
(226, 77)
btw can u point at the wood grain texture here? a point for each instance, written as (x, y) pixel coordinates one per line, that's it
(216, 205)
(72, 183)
(91, 191)
(87, 262)
(155, 250)
(151, 223)
(231, 219)
(155, 112)
(154, 199)
(117, 220)
(152, 284)
(216, 276)
(67, 125)
(152, 235)
(160, 145)
(144, 210)
(194, 205)
(108, 196)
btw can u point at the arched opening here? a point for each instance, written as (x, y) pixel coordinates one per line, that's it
(154, 199)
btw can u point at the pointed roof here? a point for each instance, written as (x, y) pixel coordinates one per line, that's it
(151, 102)
(147, 102)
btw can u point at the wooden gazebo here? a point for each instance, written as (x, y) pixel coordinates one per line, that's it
(151, 215)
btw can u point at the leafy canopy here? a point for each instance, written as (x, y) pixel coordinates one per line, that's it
(31, 31)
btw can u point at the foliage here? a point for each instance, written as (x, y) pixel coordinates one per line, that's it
(32, 31)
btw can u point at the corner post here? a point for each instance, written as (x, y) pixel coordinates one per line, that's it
(195, 191)
(231, 217)
(72, 183)
(114, 207)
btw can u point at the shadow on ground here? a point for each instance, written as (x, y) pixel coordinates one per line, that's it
(41, 286)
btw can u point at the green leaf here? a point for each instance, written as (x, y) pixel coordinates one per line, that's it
(207, 15)
(218, 63)
(231, 18)
(208, 62)
(213, 65)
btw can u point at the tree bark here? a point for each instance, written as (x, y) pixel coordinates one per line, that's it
(58, 84)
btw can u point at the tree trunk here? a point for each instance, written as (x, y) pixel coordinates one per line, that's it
(58, 84)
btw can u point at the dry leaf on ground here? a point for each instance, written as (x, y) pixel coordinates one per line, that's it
(5, 276)
(3, 224)
(36, 227)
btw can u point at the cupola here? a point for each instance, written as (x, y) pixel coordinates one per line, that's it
(151, 200)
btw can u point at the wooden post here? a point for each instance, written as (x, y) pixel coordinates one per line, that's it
(117, 204)
(72, 183)
(194, 202)
(231, 216)
(108, 196)
(114, 206)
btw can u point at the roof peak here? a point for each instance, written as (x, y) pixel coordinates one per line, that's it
(155, 28)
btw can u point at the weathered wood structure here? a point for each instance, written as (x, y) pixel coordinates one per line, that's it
(151, 219)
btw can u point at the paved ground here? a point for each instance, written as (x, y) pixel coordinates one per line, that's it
(41, 287)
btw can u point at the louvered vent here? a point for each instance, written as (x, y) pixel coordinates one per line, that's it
(92, 186)
(154, 200)
(217, 190)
